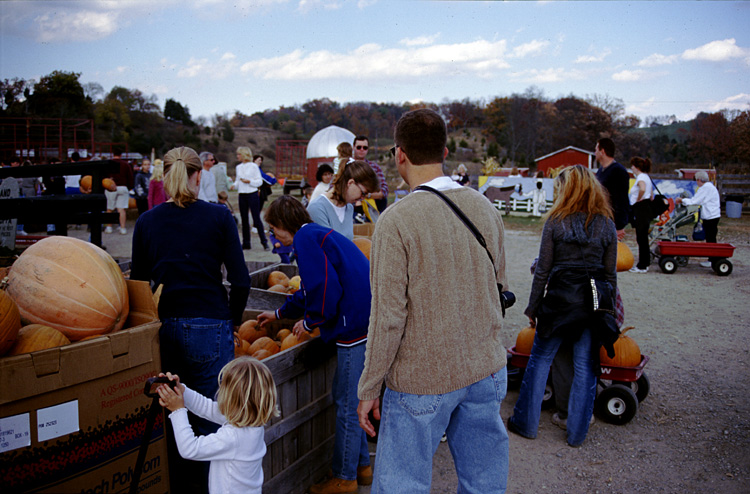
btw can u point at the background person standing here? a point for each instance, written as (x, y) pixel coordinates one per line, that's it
(615, 178)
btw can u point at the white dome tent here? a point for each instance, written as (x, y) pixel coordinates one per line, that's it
(323, 143)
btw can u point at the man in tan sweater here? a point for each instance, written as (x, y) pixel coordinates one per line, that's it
(434, 335)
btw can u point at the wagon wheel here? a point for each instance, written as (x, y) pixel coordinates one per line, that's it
(515, 375)
(722, 267)
(616, 404)
(682, 261)
(668, 264)
(640, 387)
(548, 400)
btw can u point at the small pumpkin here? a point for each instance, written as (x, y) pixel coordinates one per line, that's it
(525, 340)
(10, 322)
(365, 245)
(261, 354)
(288, 342)
(627, 352)
(109, 185)
(250, 331)
(625, 259)
(279, 288)
(283, 333)
(35, 337)
(264, 343)
(241, 348)
(85, 182)
(278, 278)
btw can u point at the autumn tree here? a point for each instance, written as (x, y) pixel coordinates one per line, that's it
(59, 95)
(710, 138)
(177, 113)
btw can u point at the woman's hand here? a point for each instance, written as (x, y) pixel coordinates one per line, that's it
(299, 328)
(532, 322)
(266, 317)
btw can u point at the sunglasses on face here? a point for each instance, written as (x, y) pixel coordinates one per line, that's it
(363, 148)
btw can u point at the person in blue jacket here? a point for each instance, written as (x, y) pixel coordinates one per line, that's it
(335, 298)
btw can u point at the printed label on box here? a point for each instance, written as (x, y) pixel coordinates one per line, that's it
(15, 432)
(57, 421)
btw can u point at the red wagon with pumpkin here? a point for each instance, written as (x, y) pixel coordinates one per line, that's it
(621, 387)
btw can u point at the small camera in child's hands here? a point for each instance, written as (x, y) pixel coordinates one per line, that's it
(153, 383)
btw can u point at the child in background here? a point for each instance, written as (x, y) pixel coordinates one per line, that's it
(307, 194)
(285, 252)
(224, 201)
(324, 175)
(245, 401)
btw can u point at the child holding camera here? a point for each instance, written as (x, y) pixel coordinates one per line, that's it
(245, 401)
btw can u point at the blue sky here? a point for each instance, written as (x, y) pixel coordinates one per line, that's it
(660, 58)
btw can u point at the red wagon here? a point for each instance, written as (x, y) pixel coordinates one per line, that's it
(675, 254)
(619, 389)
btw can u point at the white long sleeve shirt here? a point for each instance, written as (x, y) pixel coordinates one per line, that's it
(207, 191)
(236, 453)
(707, 196)
(248, 171)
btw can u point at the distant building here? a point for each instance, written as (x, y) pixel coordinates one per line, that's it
(565, 157)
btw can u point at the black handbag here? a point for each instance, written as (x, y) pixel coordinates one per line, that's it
(507, 299)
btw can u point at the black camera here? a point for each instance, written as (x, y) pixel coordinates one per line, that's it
(507, 299)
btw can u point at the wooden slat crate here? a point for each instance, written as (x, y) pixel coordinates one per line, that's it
(300, 441)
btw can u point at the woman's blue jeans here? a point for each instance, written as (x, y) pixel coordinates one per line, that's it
(350, 445)
(528, 408)
(411, 427)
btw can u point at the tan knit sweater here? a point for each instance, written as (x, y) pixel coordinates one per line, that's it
(435, 319)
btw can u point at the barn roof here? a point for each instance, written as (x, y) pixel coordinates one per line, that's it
(565, 149)
(323, 143)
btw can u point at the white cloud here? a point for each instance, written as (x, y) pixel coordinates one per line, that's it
(534, 47)
(374, 62)
(75, 26)
(543, 76)
(657, 59)
(420, 40)
(308, 5)
(642, 107)
(737, 102)
(222, 68)
(593, 58)
(628, 75)
(716, 51)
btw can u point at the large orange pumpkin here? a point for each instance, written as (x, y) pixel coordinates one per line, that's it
(283, 333)
(627, 352)
(250, 331)
(289, 342)
(264, 343)
(70, 285)
(35, 337)
(625, 259)
(364, 244)
(525, 340)
(10, 322)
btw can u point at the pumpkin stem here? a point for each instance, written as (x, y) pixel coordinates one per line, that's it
(622, 333)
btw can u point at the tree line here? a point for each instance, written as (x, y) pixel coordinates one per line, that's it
(517, 128)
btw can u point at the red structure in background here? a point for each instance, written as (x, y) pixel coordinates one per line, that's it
(561, 158)
(291, 163)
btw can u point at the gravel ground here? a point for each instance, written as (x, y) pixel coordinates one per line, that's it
(691, 434)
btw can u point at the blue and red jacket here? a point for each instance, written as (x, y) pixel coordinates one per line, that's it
(335, 291)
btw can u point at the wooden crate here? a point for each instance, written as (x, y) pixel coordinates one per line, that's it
(260, 297)
(300, 441)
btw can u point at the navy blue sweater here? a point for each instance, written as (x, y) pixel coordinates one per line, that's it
(335, 294)
(183, 249)
(616, 180)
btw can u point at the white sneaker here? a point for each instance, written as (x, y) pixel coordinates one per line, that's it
(108, 229)
(123, 231)
(635, 269)
(706, 264)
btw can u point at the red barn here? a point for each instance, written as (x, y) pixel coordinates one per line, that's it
(568, 156)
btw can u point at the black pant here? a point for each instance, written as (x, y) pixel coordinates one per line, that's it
(711, 229)
(641, 223)
(251, 202)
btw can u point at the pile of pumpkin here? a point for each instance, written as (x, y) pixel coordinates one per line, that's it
(251, 339)
(279, 282)
(627, 351)
(58, 291)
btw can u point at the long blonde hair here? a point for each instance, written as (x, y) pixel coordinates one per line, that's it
(179, 165)
(246, 154)
(247, 393)
(577, 190)
(157, 171)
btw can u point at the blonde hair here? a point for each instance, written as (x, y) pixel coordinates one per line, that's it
(179, 165)
(577, 190)
(157, 171)
(247, 393)
(245, 153)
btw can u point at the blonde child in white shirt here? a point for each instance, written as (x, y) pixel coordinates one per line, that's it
(246, 400)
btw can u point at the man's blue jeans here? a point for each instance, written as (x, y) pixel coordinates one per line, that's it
(350, 445)
(411, 427)
(528, 408)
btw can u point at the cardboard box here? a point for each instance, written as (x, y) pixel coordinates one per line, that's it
(72, 418)
(364, 230)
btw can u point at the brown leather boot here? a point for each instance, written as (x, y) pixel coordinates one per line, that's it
(364, 475)
(334, 486)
